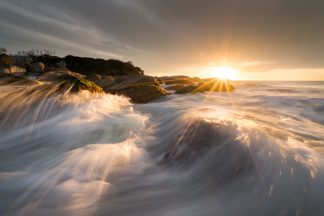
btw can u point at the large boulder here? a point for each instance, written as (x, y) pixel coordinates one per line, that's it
(127, 81)
(53, 76)
(104, 82)
(22, 61)
(37, 67)
(139, 88)
(68, 80)
(61, 65)
(111, 67)
(77, 84)
(143, 93)
(13, 70)
(5, 59)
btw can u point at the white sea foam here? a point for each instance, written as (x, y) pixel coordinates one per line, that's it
(258, 151)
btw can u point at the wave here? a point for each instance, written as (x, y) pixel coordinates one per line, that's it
(80, 154)
(60, 157)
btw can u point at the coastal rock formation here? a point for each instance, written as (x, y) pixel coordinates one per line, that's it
(37, 67)
(111, 76)
(71, 81)
(13, 70)
(22, 61)
(143, 93)
(111, 67)
(140, 88)
(5, 59)
(77, 84)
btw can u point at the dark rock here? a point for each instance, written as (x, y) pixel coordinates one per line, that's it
(47, 59)
(5, 59)
(140, 88)
(52, 76)
(37, 67)
(13, 70)
(176, 87)
(61, 65)
(111, 67)
(188, 89)
(132, 80)
(77, 84)
(22, 61)
(143, 93)
(70, 80)
(184, 80)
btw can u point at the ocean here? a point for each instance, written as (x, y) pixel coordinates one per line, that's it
(256, 151)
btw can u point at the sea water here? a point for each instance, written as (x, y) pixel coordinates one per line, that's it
(256, 151)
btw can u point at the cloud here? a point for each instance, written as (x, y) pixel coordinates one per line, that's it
(160, 35)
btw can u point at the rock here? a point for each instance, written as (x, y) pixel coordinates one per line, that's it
(140, 88)
(106, 83)
(111, 67)
(143, 93)
(48, 59)
(5, 59)
(22, 61)
(52, 76)
(188, 89)
(184, 80)
(132, 80)
(61, 65)
(4, 69)
(77, 84)
(37, 67)
(175, 87)
(13, 70)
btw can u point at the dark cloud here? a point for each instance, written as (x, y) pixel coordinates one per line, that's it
(161, 35)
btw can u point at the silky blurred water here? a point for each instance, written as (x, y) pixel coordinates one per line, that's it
(257, 151)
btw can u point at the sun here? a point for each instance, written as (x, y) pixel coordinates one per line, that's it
(224, 73)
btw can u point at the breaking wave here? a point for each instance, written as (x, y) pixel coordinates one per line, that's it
(201, 154)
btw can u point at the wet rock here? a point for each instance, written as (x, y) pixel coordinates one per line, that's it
(13, 70)
(77, 84)
(104, 82)
(127, 81)
(140, 88)
(111, 67)
(143, 93)
(52, 76)
(22, 61)
(37, 67)
(188, 89)
(61, 65)
(175, 87)
(5, 59)
(184, 80)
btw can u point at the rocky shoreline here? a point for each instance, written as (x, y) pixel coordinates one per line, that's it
(76, 74)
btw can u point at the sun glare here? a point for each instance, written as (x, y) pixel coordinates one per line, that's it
(225, 73)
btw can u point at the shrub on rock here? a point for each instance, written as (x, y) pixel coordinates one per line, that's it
(5, 59)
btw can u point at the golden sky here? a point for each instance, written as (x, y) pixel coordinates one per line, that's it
(263, 39)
